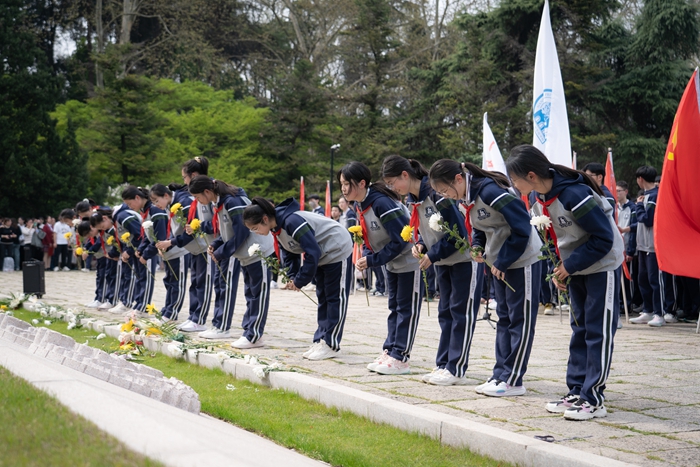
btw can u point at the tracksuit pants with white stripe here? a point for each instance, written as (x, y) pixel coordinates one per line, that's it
(651, 283)
(125, 282)
(145, 283)
(405, 296)
(517, 315)
(175, 285)
(333, 282)
(457, 313)
(104, 279)
(594, 305)
(204, 272)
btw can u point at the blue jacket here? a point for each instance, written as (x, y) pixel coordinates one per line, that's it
(129, 222)
(235, 206)
(159, 218)
(286, 218)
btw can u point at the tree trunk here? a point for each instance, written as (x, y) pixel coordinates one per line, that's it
(99, 30)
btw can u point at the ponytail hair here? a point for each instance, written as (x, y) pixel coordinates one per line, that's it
(98, 216)
(159, 191)
(201, 182)
(258, 208)
(526, 158)
(84, 206)
(395, 165)
(198, 165)
(444, 171)
(176, 187)
(354, 172)
(131, 192)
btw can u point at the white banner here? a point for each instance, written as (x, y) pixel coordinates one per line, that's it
(492, 159)
(550, 122)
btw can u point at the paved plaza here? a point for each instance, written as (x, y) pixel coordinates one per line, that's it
(653, 393)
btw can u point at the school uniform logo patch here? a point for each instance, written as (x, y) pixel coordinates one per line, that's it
(564, 222)
(292, 244)
(374, 226)
(429, 211)
(482, 214)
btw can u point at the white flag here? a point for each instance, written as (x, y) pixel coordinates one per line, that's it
(493, 159)
(550, 123)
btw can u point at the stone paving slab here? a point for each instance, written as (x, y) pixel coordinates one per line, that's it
(653, 370)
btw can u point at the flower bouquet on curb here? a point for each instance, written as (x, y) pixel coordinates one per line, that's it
(196, 228)
(274, 265)
(438, 224)
(134, 330)
(407, 236)
(356, 232)
(151, 235)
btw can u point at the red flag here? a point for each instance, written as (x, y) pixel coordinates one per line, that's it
(328, 198)
(677, 221)
(302, 198)
(611, 183)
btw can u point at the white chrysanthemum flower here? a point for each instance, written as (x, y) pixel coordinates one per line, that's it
(253, 361)
(434, 222)
(541, 222)
(230, 387)
(35, 321)
(221, 356)
(100, 336)
(254, 249)
(44, 312)
(259, 372)
(76, 222)
(47, 322)
(147, 224)
(246, 359)
(71, 325)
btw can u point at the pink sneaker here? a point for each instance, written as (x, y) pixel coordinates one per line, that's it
(392, 366)
(378, 361)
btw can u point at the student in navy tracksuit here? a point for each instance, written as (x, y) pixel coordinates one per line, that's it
(382, 218)
(327, 250)
(177, 260)
(590, 249)
(105, 270)
(459, 303)
(145, 267)
(501, 227)
(203, 269)
(230, 250)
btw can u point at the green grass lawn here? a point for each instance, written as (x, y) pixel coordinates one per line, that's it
(337, 437)
(35, 429)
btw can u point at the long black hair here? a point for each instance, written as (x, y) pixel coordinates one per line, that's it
(198, 165)
(84, 228)
(131, 192)
(395, 165)
(84, 206)
(201, 182)
(98, 216)
(444, 171)
(526, 158)
(354, 172)
(258, 208)
(159, 190)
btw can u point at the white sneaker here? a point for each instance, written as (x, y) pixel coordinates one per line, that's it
(323, 352)
(56, 269)
(120, 308)
(105, 306)
(85, 270)
(503, 390)
(392, 366)
(378, 361)
(273, 285)
(94, 304)
(311, 350)
(309, 288)
(657, 321)
(426, 377)
(66, 268)
(445, 378)
(644, 318)
(492, 305)
(582, 410)
(191, 326)
(215, 333)
(244, 343)
(549, 309)
(480, 388)
(619, 323)
(564, 307)
(669, 318)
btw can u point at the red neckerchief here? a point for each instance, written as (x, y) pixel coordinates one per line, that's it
(167, 228)
(415, 220)
(102, 241)
(215, 218)
(193, 210)
(144, 215)
(363, 224)
(276, 242)
(467, 220)
(550, 230)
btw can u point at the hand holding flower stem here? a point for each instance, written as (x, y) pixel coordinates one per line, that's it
(407, 235)
(148, 228)
(194, 229)
(356, 232)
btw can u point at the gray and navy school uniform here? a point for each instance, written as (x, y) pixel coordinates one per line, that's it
(627, 217)
(502, 227)
(177, 260)
(204, 271)
(383, 219)
(105, 269)
(327, 249)
(148, 251)
(231, 251)
(656, 286)
(126, 220)
(459, 305)
(591, 250)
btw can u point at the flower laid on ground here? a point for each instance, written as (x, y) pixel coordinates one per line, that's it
(13, 302)
(407, 233)
(274, 265)
(35, 321)
(356, 232)
(48, 322)
(151, 309)
(100, 336)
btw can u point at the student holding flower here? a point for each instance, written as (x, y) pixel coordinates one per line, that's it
(230, 251)
(589, 248)
(459, 305)
(382, 218)
(327, 250)
(499, 226)
(105, 270)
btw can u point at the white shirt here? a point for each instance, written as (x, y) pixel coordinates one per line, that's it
(60, 229)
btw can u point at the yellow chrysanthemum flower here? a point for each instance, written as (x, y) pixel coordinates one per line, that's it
(154, 332)
(151, 309)
(79, 251)
(407, 233)
(3, 307)
(110, 240)
(175, 207)
(355, 230)
(126, 236)
(67, 235)
(195, 224)
(128, 326)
